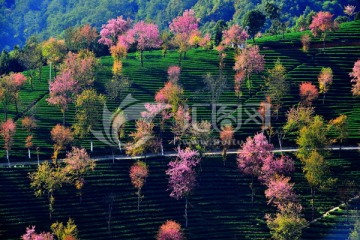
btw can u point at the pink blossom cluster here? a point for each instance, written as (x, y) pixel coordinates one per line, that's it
(173, 73)
(250, 60)
(185, 23)
(256, 159)
(234, 36)
(7, 131)
(18, 79)
(182, 173)
(113, 29)
(146, 35)
(77, 159)
(32, 235)
(349, 10)
(355, 74)
(154, 109)
(62, 90)
(322, 22)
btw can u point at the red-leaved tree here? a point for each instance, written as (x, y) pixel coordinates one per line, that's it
(355, 74)
(139, 171)
(308, 92)
(182, 176)
(170, 230)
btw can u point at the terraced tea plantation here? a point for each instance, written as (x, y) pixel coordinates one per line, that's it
(220, 206)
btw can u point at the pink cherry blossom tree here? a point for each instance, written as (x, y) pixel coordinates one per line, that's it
(280, 191)
(174, 73)
(325, 79)
(170, 230)
(249, 61)
(350, 10)
(139, 171)
(17, 80)
(78, 164)
(114, 28)
(355, 74)
(32, 235)
(182, 27)
(82, 67)
(182, 176)
(145, 36)
(273, 167)
(251, 156)
(234, 37)
(7, 132)
(62, 91)
(9, 90)
(321, 24)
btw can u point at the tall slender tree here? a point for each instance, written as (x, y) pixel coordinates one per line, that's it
(325, 79)
(182, 176)
(7, 132)
(139, 171)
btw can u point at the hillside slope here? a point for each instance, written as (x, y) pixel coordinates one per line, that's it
(47, 18)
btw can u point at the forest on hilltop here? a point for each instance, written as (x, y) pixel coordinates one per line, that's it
(45, 18)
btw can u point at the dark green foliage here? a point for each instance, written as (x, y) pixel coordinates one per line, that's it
(48, 18)
(217, 32)
(255, 20)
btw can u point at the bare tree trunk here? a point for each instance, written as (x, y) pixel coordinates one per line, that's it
(252, 191)
(7, 157)
(186, 214)
(312, 203)
(29, 153)
(91, 146)
(142, 58)
(139, 195)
